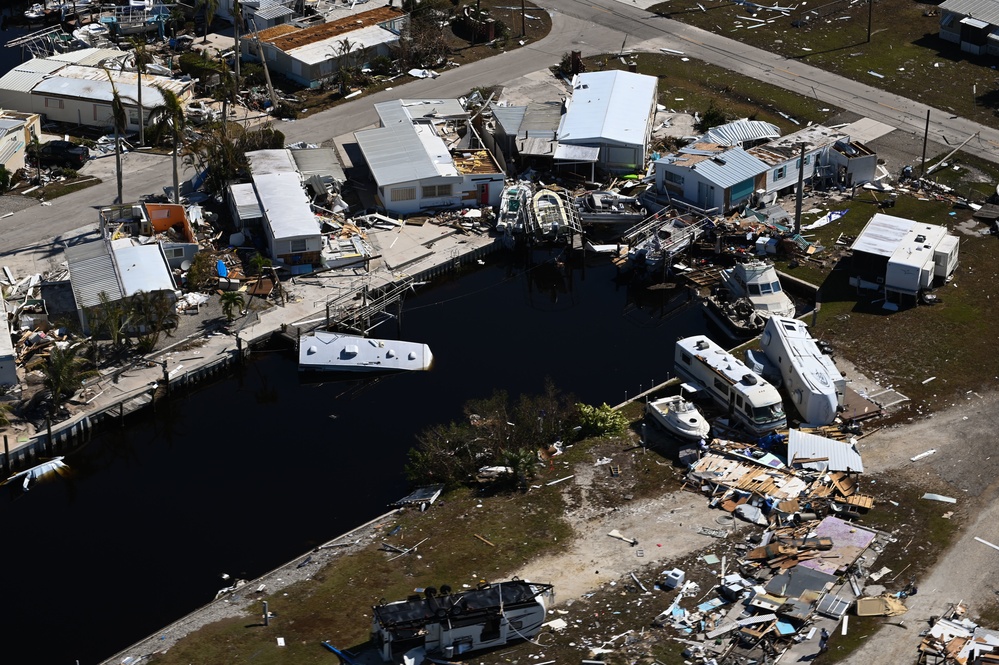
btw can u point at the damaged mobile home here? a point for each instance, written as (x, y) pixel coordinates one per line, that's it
(450, 624)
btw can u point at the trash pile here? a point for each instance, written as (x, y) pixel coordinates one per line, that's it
(953, 639)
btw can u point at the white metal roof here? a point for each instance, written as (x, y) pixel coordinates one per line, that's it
(724, 169)
(273, 11)
(25, 76)
(286, 206)
(397, 154)
(985, 10)
(141, 267)
(417, 109)
(509, 118)
(882, 235)
(88, 56)
(737, 132)
(318, 161)
(263, 162)
(363, 38)
(576, 153)
(92, 83)
(841, 456)
(244, 201)
(609, 105)
(92, 272)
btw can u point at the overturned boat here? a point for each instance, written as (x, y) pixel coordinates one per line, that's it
(445, 624)
(678, 417)
(810, 377)
(749, 294)
(336, 352)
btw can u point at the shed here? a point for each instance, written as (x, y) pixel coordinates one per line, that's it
(828, 455)
(244, 206)
(973, 24)
(613, 111)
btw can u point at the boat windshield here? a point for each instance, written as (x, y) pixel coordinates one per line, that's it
(776, 287)
(754, 289)
(768, 414)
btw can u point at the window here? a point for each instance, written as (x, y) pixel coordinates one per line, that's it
(808, 160)
(133, 117)
(776, 287)
(685, 358)
(434, 191)
(754, 289)
(103, 113)
(721, 387)
(780, 173)
(51, 103)
(765, 289)
(174, 252)
(675, 178)
(738, 401)
(403, 194)
(299, 245)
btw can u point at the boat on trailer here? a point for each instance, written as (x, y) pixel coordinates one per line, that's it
(811, 379)
(679, 417)
(336, 352)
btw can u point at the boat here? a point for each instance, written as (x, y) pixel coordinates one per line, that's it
(658, 240)
(605, 207)
(38, 472)
(449, 625)
(749, 400)
(92, 34)
(549, 213)
(512, 208)
(35, 12)
(336, 352)
(678, 417)
(811, 379)
(748, 295)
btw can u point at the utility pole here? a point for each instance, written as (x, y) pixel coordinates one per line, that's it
(523, 19)
(926, 137)
(870, 18)
(801, 184)
(237, 19)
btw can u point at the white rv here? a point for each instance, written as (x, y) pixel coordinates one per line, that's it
(450, 624)
(813, 383)
(747, 398)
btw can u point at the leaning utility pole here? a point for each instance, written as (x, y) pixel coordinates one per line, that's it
(263, 61)
(801, 186)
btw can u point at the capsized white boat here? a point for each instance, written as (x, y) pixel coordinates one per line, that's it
(37, 472)
(679, 417)
(336, 352)
(811, 378)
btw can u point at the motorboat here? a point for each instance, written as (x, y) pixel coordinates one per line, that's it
(608, 207)
(336, 352)
(811, 379)
(748, 295)
(549, 212)
(678, 417)
(512, 210)
(657, 241)
(92, 34)
(35, 12)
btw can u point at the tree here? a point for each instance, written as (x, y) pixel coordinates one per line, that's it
(232, 304)
(170, 115)
(601, 420)
(713, 116)
(141, 58)
(209, 7)
(64, 373)
(119, 120)
(155, 312)
(523, 466)
(424, 43)
(114, 317)
(220, 151)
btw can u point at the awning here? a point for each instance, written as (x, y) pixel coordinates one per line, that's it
(974, 22)
(576, 153)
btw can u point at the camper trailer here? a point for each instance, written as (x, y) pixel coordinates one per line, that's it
(811, 378)
(747, 398)
(451, 624)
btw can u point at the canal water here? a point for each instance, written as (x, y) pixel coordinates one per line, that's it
(245, 474)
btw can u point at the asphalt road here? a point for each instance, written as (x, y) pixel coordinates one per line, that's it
(597, 26)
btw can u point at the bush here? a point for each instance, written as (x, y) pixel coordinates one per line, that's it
(285, 110)
(601, 420)
(252, 73)
(4, 179)
(382, 66)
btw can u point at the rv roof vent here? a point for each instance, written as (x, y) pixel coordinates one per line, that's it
(702, 344)
(718, 160)
(920, 238)
(749, 379)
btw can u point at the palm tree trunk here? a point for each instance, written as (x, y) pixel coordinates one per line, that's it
(117, 160)
(142, 125)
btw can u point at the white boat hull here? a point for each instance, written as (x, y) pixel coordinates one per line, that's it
(679, 417)
(334, 352)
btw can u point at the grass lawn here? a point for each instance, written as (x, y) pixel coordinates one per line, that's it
(905, 49)
(57, 189)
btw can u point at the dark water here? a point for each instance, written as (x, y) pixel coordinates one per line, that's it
(250, 472)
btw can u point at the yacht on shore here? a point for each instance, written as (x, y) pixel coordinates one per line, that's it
(749, 294)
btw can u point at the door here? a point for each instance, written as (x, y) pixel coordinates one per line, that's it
(705, 194)
(483, 193)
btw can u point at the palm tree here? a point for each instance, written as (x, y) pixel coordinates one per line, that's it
(156, 313)
(170, 114)
(210, 7)
(119, 119)
(65, 372)
(140, 67)
(232, 304)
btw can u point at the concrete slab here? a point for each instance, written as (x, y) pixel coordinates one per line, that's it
(866, 130)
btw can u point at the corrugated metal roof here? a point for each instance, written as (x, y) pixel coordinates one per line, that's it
(88, 57)
(7, 124)
(415, 109)
(286, 206)
(27, 75)
(576, 153)
(985, 10)
(318, 161)
(396, 154)
(92, 83)
(740, 131)
(509, 118)
(273, 11)
(8, 150)
(882, 235)
(263, 162)
(244, 200)
(842, 456)
(92, 272)
(361, 39)
(731, 167)
(609, 105)
(141, 267)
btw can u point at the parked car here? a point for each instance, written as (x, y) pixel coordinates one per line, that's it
(60, 153)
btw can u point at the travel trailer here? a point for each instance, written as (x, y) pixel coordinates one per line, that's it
(812, 381)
